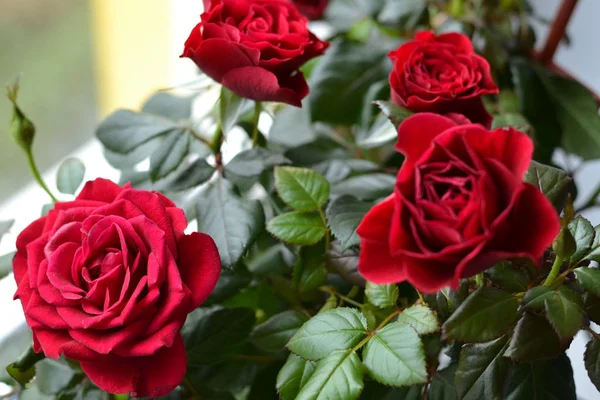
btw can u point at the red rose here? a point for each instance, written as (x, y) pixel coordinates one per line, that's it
(313, 9)
(441, 74)
(108, 280)
(254, 48)
(459, 206)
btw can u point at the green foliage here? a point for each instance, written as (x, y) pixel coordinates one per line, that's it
(393, 112)
(592, 361)
(274, 334)
(421, 318)
(253, 162)
(5, 227)
(344, 215)
(366, 187)
(553, 182)
(70, 175)
(230, 107)
(589, 278)
(301, 188)
(381, 296)
(564, 310)
(582, 231)
(509, 276)
(534, 339)
(298, 228)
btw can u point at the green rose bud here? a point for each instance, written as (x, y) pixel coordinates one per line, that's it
(21, 128)
(564, 245)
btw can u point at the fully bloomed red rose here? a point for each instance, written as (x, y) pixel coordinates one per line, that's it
(441, 74)
(255, 48)
(108, 280)
(313, 9)
(459, 206)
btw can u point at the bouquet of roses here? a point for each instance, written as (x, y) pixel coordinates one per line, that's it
(354, 218)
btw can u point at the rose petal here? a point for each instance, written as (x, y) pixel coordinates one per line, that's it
(416, 133)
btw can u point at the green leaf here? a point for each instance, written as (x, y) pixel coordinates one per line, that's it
(170, 154)
(395, 356)
(564, 310)
(342, 78)
(339, 329)
(230, 107)
(508, 276)
(404, 13)
(442, 386)
(584, 234)
(589, 278)
(23, 370)
(344, 214)
(193, 175)
(381, 133)
(591, 306)
(297, 228)
(343, 14)
(553, 182)
(52, 376)
(6, 264)
(232, 222)
(5, 227)
(512, 120)
(594, 253)
(217, 334)
(338, 376)
(70, 175)
(292, 127)
(482, 370)
(591, 359)
(124, 130)
(393, 112)
(382, 296)
(485, 315)
(535, 297)
(345, 263)
(541, 380)
(421, 318)
(366, 187)
(273, 334)
(230, 282)
(534, 339)
(170, 106)
(252, 162)
(310, 272)
(301, 188)
(293, 376)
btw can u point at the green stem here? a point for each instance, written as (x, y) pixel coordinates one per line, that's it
(341, 296)
(36, 174)
(327, 234)
(217, 140)
(558, 261)
(257, 111)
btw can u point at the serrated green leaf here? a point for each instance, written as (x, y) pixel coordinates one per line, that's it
(535, 297)
(485, 315)
(421, 318)
(482, 370)
(124, 130)
(217, 333)
(292, 127)
(332, 330)
(275, 333)
(168, 105)
(584, 234)
(232, 222)
(366, 187)
(589, 278)
(508, 276)
(338, 376)
(345, 263)
(312, 276)
(591, 359)
(564, 310)
(344, 214)
(393, 112)
(70, 175)
(380, 133)
(551, 181)
(395, 356)
(252, 162)
(293, 376)
(230, 107)
(382, 296)
(594, 253)
(301, 188)
(297, 228)
(534, 339)
(442, 386)
(195, 174)
(170, 154)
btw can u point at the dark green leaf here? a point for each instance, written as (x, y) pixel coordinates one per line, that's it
(273, 334)
(260, 297)
(421, 318)
(217, 334)
(534, 339)
(170, 154)
(486, 314)
(378, 90)
(513, 120)
(230, 107)
(232, 222)
(584, 234)
(293, 376)
(382, 296)
(482, 370)
(52, 376)
(341, 79)
(405, 13)
(124, 130)
(343, 14)
(381, 133)
(310, 271)
(292, 127)
(395, 113)
(541, 380)
(591, 359)
(332, 330)
(230, 282)
(343, 215)
(591, 306)
(263, 387)
(553, 182)
(198, 172)
(395, 356)
(442, 387)
(338, 376)
(508, 276)
(301, 188)
(376, 391)
(253, 162)
(345, 263)
(168, 105)
(297, 228)
(366, 187)
(535, 297)
(70, 175)
(589, 278)
(564, 310)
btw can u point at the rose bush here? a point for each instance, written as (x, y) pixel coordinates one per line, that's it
(255, 48)
(108, 280)
(459, 206)
(441, 74)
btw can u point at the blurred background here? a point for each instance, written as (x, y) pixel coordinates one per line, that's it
(78, 60)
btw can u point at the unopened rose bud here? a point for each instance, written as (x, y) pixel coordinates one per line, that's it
(21, 128)
(564, 245)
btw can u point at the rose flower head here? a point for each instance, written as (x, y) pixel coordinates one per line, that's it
(255, 48)
(108, 280)
(441, 74)
(459, 206)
